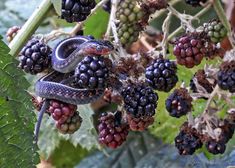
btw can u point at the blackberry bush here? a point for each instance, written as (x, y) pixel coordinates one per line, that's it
(161, 75)
(179, 103)
(76, 10)
(92, 72)
(226, 76)
(35, 57)
(139, 100)
(112, 130)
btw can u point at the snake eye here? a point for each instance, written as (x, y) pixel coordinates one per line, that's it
(99, 48)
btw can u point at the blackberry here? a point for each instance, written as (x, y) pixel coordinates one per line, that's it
(92, 72)
(215, 30)
(226, 76)
(139, 124)
(161, 75)
(179, 103)
(189, 49)
(12, 32)
(61, 111)
(107, 6)
(227, 130)
(76, 10)
(71, 125)
(215, 147)
(129, 15)
(139, 100)
(202, 79)
(112, 131)
(188, 140)
(195, 3)
(35, 57)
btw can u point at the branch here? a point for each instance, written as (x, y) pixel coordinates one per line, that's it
(29, 27)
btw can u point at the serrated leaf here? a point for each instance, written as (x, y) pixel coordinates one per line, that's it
(143, 150)
(57, 6)
(86, 136)
(16, 115)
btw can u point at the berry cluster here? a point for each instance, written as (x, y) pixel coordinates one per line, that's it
(91, 72)
(179, 103)
(226, 76)
(76, 10)
(67, 119)
(35, 57)
(161, 75)
(188, 140)
(112, 130)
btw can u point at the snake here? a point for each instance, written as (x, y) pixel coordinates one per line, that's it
(58, 83)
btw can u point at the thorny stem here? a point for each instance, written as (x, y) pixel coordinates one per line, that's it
(186, 20)
(165, 29)
(212, 95)
(177, 31)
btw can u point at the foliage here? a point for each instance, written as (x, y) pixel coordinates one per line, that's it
(16, 144)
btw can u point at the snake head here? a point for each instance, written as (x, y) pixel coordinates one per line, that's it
(98, 47)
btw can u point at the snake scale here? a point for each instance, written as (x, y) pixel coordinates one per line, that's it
(57, 84)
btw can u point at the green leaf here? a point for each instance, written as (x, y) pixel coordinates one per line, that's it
(86, 136)
(16, 115)
(49, 137)
(96, 25)
(57, 5)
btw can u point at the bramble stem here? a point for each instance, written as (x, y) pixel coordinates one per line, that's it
(29, 27)
(177, 31)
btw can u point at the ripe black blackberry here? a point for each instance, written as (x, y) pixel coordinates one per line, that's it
(139, 123)
(203, 81)
(112, 131)
(161, 75)
(195, 3)
(189, 49)
(35, 57)
(71, 125)
(179, 103)
(76, 10)
(107, 6)
(226, 76)
(188, 140)
(139, 100)
(215, 30)
(215, 147)
(92, 72)
(61, 111)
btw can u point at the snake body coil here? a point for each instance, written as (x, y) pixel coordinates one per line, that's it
(65, 57)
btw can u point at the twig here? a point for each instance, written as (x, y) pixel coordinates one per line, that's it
(165, 29)
(177, 31)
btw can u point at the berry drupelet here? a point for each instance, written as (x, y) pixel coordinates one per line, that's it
(161, 75)
(76, 10)
(179, 103)
(112, 130)
(92, 72)
(35, 57)
(139, 100)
